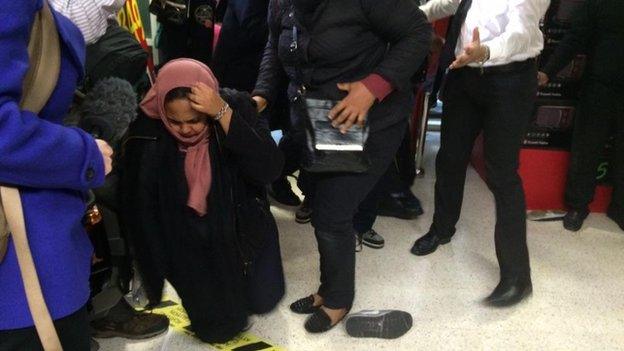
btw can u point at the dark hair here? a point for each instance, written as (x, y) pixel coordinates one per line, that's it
(177, 93)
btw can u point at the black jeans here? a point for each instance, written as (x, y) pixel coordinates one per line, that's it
(600, 115)
(499, 105)
(335, 202)
(73, 331)
(398, 178)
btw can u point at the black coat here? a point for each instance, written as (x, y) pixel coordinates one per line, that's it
(598, 31)
(244, 33)
(345, 41)
(201, 256)
(190, 39)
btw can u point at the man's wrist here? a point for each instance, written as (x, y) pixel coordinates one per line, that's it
(486, 53)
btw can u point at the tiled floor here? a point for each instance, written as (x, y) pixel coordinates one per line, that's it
(578, 279)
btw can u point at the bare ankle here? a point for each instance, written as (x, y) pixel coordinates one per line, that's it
(318, 300)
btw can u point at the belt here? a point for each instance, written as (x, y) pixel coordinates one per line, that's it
(510, 67)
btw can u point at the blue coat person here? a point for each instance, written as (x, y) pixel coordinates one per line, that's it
(52, 165)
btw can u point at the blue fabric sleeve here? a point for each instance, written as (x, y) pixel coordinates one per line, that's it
(35, 152)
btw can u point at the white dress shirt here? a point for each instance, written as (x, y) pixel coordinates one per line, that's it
(90, 16)
(510, 28)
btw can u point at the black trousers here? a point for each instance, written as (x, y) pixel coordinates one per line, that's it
(336, 200)
(73, 331)
(499, 104)
(600, 115)
(398, 178)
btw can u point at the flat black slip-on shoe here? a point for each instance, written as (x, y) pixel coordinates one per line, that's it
(304, 306)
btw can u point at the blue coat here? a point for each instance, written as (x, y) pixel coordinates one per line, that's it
(53, 167)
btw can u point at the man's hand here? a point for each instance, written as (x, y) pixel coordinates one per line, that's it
(261, 103)
(206, 100)
(473, 52)
(353, 108)
(107, 155)
(542, 79)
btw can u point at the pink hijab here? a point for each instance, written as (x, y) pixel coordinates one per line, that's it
(176, 74)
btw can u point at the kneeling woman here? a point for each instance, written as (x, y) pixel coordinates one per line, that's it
(192, 185)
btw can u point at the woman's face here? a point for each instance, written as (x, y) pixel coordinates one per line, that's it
(183, 119)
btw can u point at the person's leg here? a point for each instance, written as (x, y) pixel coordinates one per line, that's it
(291, 146)
(205, 274)
(591, 131)
(509, 100)
(280, 189)
(396, 198)
(461, 124)
(336, 200)
(73, 332)
(406, 167)
(367, 214)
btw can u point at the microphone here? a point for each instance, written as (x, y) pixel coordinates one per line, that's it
(108, 109)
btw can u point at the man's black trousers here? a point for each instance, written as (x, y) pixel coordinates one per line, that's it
(499, 104)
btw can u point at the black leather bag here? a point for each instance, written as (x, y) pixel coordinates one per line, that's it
(327, 150)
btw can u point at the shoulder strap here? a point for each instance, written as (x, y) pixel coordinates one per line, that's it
(44, 52)
(39, 83)
(36, 303)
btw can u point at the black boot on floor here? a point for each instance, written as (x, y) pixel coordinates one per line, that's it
(509, 292)
(304, 213)
(281, 191)
(402, 205)
(573, 220)
(428, 243)
(304, 306)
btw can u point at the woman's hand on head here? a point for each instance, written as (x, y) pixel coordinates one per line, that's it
(206, 100)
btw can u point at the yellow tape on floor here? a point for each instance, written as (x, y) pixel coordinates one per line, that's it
(179, 321)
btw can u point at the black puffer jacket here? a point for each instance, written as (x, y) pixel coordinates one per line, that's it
(345, 41)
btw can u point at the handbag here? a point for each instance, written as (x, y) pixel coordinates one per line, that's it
(38, 85)
(174, 12)
(327, 150)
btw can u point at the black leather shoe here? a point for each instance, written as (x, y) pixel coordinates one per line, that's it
(619, 220)
(509, 292)
(304, 306)
(428, 243)
(304, 213)
(403, 205)
(281, 191)
(573, 220)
